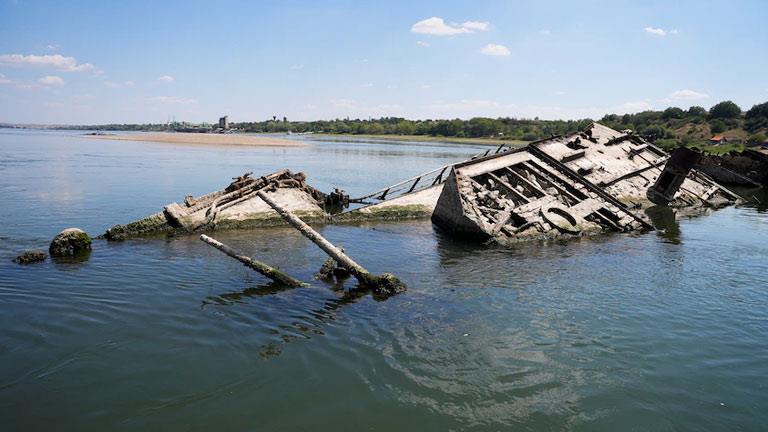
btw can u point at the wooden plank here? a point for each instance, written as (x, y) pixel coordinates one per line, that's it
(524, 180)
(541, 173)
(509, 187)
(268, 271)
(386, 284)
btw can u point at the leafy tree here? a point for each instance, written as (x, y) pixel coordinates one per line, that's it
(757, 117)
(654, 132)
(756, 139)
(717, 127)
(673, 113)
(697, 111)
(725, 110)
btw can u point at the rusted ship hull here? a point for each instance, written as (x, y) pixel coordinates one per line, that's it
(586, 183)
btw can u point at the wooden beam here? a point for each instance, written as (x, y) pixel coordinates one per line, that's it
(509, 187)
(524, 180)
(385, 284)
(268, 271)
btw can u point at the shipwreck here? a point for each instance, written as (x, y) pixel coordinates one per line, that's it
(593, 181)
(597, 180)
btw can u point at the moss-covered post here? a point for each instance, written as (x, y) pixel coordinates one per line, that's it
(386, 284)
(268, 271)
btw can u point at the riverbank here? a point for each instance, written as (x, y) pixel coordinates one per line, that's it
(427, 138)
(203, 139)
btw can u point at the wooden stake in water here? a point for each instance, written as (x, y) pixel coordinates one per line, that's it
(386, 284)
(268, 271)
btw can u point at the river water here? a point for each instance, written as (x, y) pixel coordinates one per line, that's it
(662, 331)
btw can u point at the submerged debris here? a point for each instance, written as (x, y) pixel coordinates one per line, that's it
(331, 269)
(70, 242)
(580, 184)
(233, 207)
(384, 285)
(271, 272)
(29, 257)
(745, 168)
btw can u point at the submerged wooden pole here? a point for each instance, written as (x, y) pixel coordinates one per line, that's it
(386, 284)
(268, 271)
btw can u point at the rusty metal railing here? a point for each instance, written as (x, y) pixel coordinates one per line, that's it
(417, 183)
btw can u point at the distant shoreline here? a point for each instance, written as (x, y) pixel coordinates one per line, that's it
(202, 139)
(427, 138)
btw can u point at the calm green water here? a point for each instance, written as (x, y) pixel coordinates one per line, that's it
(662, 331)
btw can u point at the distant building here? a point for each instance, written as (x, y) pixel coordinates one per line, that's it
(224, 122)
(721, 139)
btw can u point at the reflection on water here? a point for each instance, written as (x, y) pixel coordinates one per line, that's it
(757, 198)
(665, 221)
(662, 331)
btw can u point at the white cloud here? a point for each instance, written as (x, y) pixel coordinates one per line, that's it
(422, 44)
(436, 26)
(476, 25)
(631, 107)
(366, 85)
(4, 80)
(51, 80)
(688, 95)
(684, 95)
(296, 67)
(166, 78)
(55, 61)
(172, 100)
(425, 86)
(545, 32)
(119, 84)
(495, 50)
(53, 47)
(660, 32)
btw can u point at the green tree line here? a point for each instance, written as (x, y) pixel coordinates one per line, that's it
(670, 126)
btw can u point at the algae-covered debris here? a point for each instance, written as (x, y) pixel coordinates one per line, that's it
(70, 242)
(233, 207)
(29, 257)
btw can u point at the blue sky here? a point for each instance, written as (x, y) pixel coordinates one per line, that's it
(96, 61)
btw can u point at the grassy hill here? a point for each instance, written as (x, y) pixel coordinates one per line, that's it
(695, 126)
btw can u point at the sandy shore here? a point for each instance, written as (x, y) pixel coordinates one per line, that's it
(203, 139)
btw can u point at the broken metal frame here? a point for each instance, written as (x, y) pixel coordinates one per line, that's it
(399, 189)
(589, 185)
